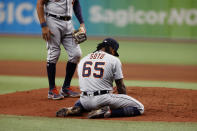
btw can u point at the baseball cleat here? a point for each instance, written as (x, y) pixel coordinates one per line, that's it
(62, 112)
(67, 92)
(103, 112)
(72, 111)
(54, 95)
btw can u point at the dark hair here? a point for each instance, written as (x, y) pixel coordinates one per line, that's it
(103, 45)
(109, 42)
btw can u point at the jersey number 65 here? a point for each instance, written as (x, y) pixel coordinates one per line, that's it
(98, 69)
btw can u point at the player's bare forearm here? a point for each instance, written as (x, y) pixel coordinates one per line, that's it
(121, 90)
(46, 33)
(40, 10)
(120, 86)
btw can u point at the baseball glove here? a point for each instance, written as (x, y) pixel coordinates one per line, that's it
(79, 35)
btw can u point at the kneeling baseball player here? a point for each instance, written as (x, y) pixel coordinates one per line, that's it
(96, 73)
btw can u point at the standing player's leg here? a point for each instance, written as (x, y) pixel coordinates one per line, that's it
(53, 47)
(70, 70)
(74, 54)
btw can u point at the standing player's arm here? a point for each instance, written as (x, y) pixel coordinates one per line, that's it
(120, 86)
(78, 13)
(40, 11)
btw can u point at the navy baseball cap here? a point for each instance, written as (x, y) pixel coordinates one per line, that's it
(113, 43)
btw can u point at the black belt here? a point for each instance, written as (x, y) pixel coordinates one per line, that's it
(66, 18)
(101, 92)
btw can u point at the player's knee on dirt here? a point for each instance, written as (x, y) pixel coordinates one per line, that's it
(131, 111)
(141, 110)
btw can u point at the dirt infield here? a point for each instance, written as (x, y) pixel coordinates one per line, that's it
(131, 71)
(161, 104)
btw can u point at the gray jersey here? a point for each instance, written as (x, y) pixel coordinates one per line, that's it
(59, 7)
(98, 70)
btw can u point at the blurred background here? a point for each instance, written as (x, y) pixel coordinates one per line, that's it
(170, 19)
(149, 31)
(152, 33)
(133, 22)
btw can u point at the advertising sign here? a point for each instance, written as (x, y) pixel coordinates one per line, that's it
(127, 18)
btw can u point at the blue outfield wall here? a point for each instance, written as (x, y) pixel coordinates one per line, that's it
(19, 17)
(127, 18)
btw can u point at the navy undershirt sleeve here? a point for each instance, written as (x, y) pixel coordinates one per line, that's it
(77, 11)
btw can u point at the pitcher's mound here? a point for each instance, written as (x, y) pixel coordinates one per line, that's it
(161, 104)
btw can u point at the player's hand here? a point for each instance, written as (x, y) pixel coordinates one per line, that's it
(115, 90)
(46, 33)
(80, 35)
(82, 28)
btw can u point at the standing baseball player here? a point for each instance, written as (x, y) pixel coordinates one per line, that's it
(56, 22)
(96, 72)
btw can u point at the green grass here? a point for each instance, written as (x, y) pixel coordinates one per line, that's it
(130, 52)
(22, 48)
(178, 85)
(24, 123)
(11, 84)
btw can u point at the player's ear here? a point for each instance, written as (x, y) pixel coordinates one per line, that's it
(112, 51)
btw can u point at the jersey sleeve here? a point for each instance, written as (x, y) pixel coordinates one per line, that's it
(77, 11)
(117, 70)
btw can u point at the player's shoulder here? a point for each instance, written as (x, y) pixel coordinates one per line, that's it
(101, 55)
